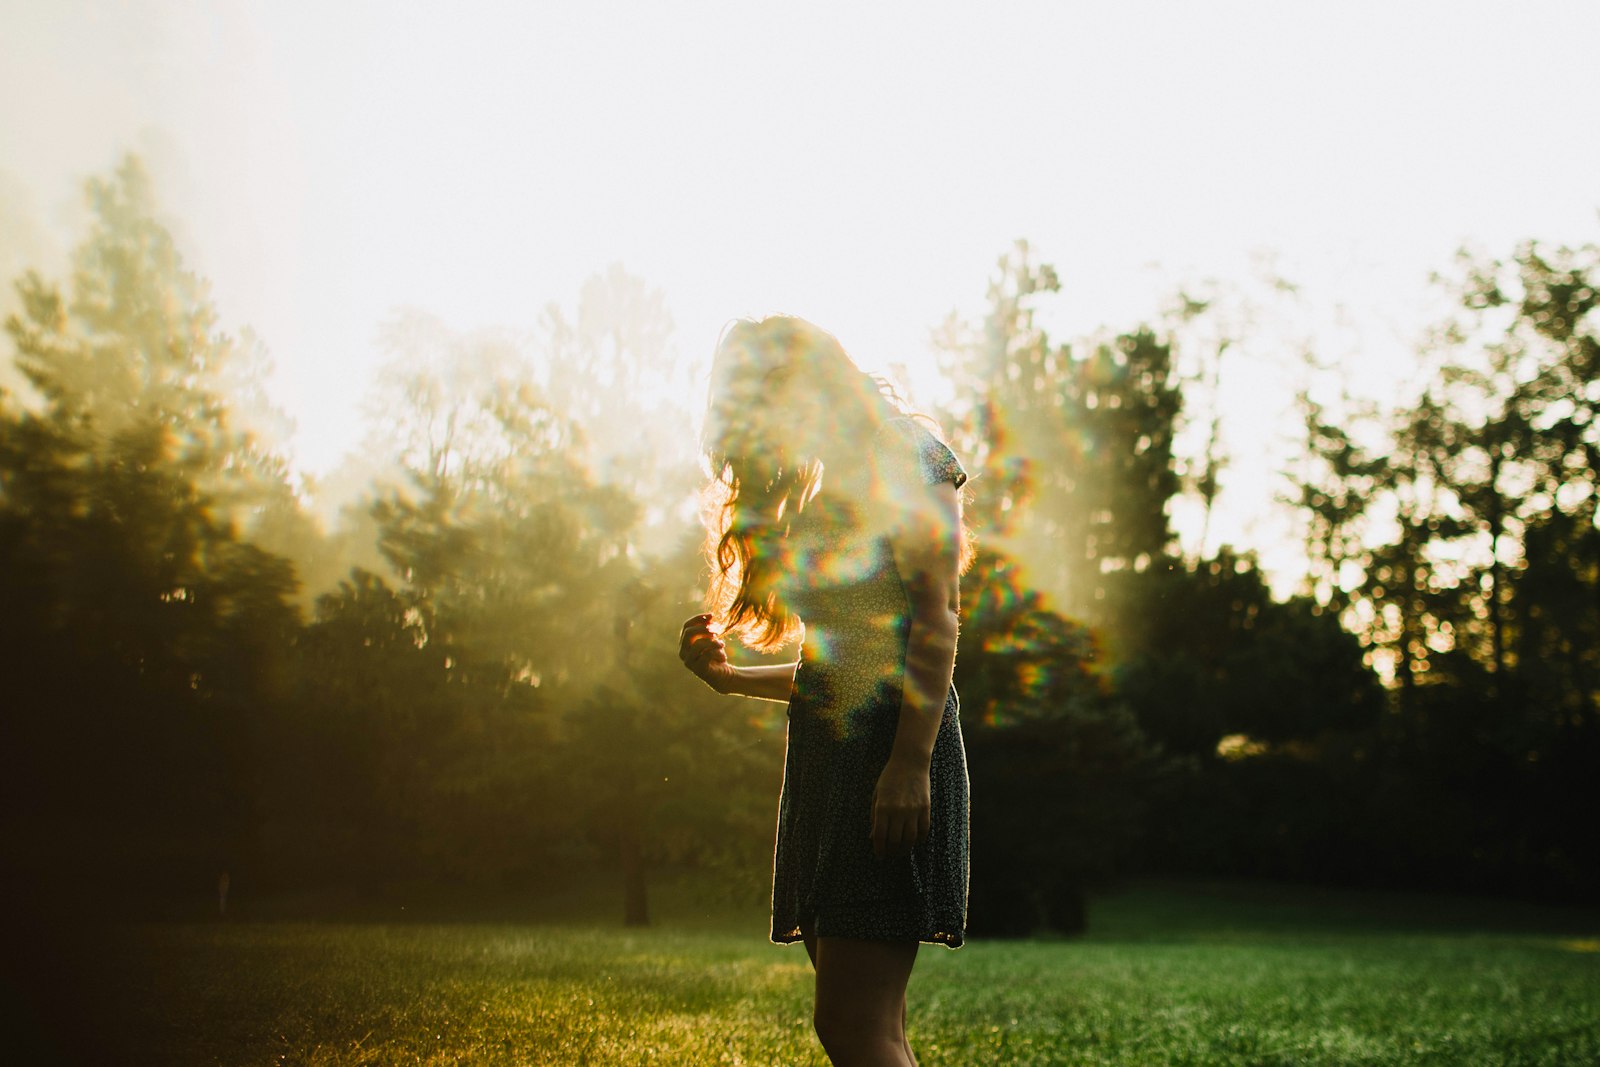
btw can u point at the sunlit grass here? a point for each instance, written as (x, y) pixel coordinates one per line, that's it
(1173, 976)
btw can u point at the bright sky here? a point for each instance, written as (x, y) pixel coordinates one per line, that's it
(862, 164)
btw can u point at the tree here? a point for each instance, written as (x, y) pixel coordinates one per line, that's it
(1181, 663)
(612, 370)
(1474, 534)
(515, 536)
(508, 558)
(1075, 452)
(136, 343)
(1060, 767)
(145, 635)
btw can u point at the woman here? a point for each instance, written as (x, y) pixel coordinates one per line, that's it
(831, 506)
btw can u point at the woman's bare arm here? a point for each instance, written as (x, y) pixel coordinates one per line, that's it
(927, 552)
(706, 655)
(769, 681)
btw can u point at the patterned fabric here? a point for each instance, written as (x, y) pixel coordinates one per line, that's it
(843, 713)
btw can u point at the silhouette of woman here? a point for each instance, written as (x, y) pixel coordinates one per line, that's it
(837, 516)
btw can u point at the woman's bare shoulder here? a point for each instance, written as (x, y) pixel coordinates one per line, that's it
(908, 445)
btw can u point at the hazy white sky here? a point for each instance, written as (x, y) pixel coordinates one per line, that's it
(862, 164)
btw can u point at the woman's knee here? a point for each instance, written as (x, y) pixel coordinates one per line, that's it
(844, 1028)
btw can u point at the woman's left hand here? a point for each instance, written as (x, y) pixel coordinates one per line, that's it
(902, 808)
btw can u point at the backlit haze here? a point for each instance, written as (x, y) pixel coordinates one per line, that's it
(862, 165)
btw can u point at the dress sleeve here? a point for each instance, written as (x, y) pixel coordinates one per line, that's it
(911, 447)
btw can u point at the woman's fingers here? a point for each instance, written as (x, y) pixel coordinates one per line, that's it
(901, 811)
(696, 642)
(704, 664)
(693, 630)
(695, 626)
(895, 833)
(705, 648)
(896, 839)
(702, 651)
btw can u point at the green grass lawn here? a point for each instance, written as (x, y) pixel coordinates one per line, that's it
(1184, 974)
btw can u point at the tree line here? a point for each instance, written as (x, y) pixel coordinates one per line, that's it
(467, 675)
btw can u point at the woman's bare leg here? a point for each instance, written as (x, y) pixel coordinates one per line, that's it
(811, 952)
(861, 1000)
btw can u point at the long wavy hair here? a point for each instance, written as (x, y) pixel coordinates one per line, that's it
(786, 402)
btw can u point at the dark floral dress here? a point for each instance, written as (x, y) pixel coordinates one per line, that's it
(843, 713)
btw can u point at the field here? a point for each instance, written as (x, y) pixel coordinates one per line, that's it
(1174, 974)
